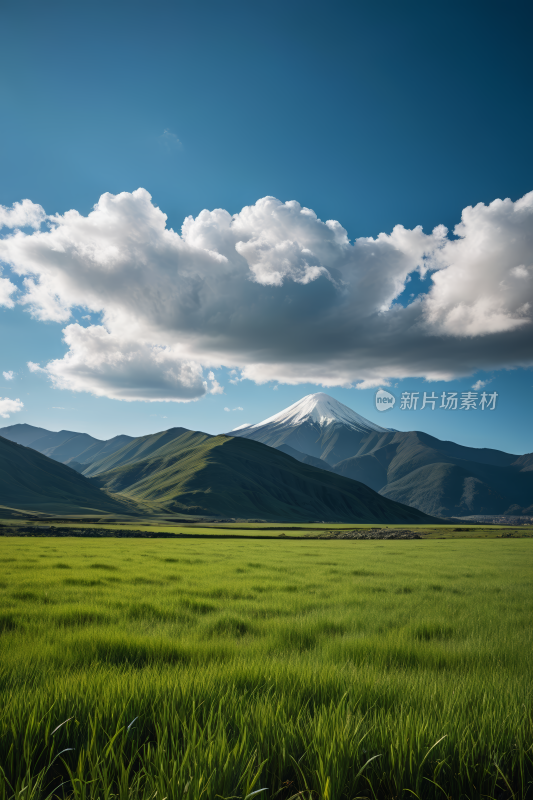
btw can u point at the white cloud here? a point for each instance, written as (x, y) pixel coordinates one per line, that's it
(480, 384)
(235, 378)
(214, 386)
(22, 215)
(479, 290)
(226, 409)
(6, 290)
(239, 408)
(8, 376)
(58, 408)
(33, 367)
(371, 383)
(8, 406)
(122, 368)
(274, 294)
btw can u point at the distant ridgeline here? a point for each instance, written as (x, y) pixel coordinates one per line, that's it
(189, 472)
(440, 478)
(316, 460)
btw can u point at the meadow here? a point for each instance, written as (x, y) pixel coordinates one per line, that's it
(192, 669)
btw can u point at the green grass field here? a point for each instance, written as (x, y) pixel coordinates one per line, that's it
(267, 529)
(219, 669)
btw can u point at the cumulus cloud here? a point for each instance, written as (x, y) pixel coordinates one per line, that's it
(9, 375)
(8, 406)
(122, 368)
(22, 215)
(484, 285)
(7, 289)
(274, 294)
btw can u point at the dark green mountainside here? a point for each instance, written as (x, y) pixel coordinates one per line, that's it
(32, 481)
(135, 449)
(442, 478)
(224, 476)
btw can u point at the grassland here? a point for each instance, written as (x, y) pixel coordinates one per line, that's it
(254, 529)
(318, 669)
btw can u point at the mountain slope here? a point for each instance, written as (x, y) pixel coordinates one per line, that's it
(63, 446)
(314, 462)
(406, 466)
(392, 463)
(31, 481)
(446, 489)
(221, 475)
(70, 448)
(137, 449)
(101, 449)
(22, 433)
(317, 425)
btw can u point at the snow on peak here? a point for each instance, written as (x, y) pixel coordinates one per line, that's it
(321, 409)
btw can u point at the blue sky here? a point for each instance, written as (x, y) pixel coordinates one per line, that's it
(372, 115)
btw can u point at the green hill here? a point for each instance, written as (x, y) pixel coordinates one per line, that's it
(225, 476)
(33, 482)
(445, 490)
(141, 447)
(442, 478)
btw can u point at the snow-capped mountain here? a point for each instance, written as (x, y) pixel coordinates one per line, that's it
(317, 426)
(319, 408)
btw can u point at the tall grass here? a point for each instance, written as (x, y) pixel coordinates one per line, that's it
(287, 669)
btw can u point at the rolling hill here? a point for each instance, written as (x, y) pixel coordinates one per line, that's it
(225, 476)
(31, 481)
(136, 449)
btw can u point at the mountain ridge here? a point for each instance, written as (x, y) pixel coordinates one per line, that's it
(224, 475)
(466, 480)
(412, 467)
(195, 473)
(63, 445)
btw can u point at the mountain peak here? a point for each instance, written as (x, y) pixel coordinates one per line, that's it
(321, 409)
